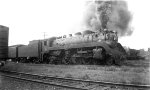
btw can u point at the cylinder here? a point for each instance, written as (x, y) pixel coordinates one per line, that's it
(4, 32)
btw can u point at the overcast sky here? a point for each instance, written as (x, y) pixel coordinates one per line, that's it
(29, 19)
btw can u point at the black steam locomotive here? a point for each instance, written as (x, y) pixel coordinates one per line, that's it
(82, 48)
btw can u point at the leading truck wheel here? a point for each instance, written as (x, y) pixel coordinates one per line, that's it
(119, 61)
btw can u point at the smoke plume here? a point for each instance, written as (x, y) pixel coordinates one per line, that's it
(111, 15)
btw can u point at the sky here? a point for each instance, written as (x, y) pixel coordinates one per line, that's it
(29, 19)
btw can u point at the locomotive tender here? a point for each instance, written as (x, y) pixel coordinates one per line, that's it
(86, 48)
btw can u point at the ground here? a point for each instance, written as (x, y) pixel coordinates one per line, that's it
(132, 72)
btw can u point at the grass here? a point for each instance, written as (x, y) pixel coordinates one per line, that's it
(138, 63)
(68, 76)
(85, 77)
(123, 74)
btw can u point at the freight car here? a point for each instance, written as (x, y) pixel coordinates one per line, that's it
(133, 54)
(82, 48)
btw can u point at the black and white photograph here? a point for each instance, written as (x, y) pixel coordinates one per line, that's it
(74, 45)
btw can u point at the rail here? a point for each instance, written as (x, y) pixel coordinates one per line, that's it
(68, 82)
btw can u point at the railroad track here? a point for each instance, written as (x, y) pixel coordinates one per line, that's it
(70, 83)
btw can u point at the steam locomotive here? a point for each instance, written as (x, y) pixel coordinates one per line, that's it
(81, 48)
